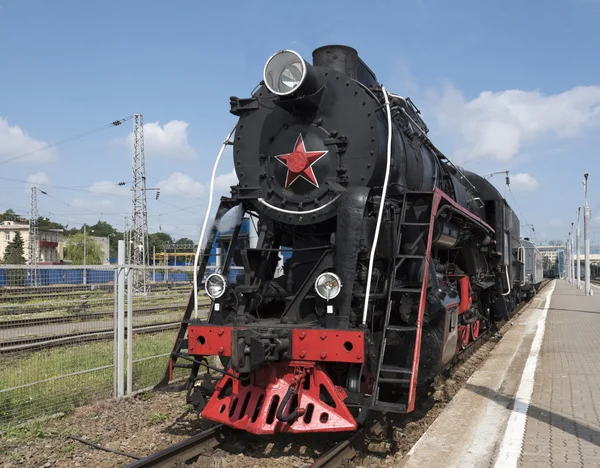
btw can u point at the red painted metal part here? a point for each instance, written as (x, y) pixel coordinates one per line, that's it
(464, 332)
(412, 392)
(209, 340)
(322, 345)
(466, 299)
(475, 326)
(253, 407)
(328, 345)
(463, 210)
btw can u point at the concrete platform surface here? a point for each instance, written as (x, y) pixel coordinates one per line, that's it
(535, 402)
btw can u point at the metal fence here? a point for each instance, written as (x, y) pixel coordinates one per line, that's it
(64, 343)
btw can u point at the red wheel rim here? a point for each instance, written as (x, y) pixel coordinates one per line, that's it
(463, 335)
(475, 330)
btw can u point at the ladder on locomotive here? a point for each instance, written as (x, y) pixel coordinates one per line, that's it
(405, 377)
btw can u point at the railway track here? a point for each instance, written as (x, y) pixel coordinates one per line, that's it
(341, 453)
(37, 344)
(181, 453)
(88, 316)
(83, 304)
(26, 292)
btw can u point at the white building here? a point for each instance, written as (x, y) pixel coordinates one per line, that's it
(51, 241)
(104, 244)
(550, 252)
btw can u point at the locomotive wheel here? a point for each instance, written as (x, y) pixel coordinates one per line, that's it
(475, 326)
(463, 335)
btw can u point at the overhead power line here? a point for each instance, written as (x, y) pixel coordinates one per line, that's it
(114, 123)
(75, 188)
(517, 205)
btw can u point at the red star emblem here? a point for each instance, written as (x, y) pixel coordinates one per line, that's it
(299, 163)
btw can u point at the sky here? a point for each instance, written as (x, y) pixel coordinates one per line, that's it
(502, 85)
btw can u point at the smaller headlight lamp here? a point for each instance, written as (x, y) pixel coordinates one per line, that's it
(215, 285)
(328, 285)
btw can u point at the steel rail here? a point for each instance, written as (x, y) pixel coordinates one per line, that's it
(77, 338)
(181, 452)
(84, 317)
(340, 453)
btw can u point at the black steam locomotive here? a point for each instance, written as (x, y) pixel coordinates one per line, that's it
(398, 260)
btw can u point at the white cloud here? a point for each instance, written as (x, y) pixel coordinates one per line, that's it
(179, 184)
(14, 142)
(496, 124)
(39, 178)
(224, 182)
(167, 141)
(106, 187)
(523, 181)
(555, 222)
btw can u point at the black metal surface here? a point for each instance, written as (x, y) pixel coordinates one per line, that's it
(178, 454)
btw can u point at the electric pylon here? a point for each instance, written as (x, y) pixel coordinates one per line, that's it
(34, 243)
(138, 234)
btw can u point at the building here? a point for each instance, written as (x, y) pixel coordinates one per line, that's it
(551, 252)
(104, 244)
(51, 241)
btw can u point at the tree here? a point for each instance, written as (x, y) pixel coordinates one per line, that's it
(14, 254)
(102, 229)
(45, 223)
(158, 240)
(74, 250)
(545, 263)
(185, 245)
(9, 215)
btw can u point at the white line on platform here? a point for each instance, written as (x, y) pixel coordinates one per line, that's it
(512, 443)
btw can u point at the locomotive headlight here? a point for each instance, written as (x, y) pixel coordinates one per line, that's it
(285, 72)
(215, 285)
(328, 285)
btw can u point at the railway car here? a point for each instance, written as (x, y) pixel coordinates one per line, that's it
(395, 259)
(532, 271)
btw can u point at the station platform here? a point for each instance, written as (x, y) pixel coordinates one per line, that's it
(535, 402)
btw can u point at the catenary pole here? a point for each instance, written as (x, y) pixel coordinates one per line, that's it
(571, 256)
(84, 256)
(586, 237)
(577, 258)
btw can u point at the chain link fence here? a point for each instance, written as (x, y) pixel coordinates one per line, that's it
(59, 334)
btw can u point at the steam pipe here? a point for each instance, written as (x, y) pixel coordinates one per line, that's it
(210, 198)
(381, 204)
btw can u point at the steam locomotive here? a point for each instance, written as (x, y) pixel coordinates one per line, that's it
(396, 258)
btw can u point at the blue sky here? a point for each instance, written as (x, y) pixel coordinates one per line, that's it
(508, 85)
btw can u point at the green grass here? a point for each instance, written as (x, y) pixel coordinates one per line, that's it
(65, 394)
(157, 418)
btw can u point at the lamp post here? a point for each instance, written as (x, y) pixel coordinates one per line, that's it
(586, 236)
(577, 253)
(571, 257)
(568, 257)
